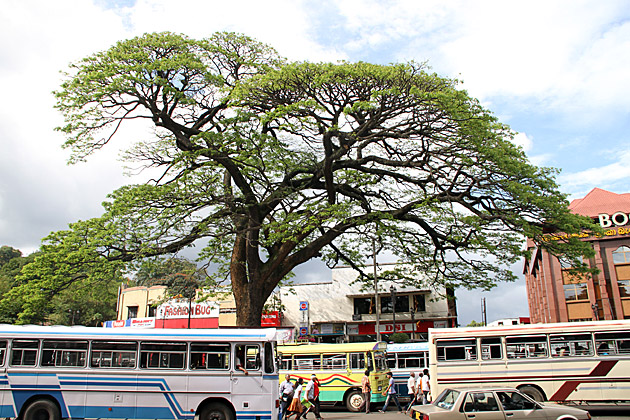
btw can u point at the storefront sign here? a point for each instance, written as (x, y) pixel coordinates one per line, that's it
(179, 309)
(270, 319)
(618, 219)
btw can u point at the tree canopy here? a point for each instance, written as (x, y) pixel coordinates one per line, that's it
(271, 164)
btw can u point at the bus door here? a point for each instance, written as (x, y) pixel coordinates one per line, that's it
(246, 377)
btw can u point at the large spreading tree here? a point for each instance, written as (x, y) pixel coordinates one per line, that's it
(271, 164)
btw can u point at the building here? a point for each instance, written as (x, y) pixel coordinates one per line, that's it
(339, 310)
(336, 310)
(556, 296)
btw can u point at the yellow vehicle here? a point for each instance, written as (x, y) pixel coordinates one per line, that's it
(339, 368)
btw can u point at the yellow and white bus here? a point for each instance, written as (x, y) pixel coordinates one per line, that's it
(576, 363)
(339, 368)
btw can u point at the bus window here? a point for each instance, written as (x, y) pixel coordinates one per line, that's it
(391, 361)
(456, 350)
(357, 361)
(411, 360)
(113, 354)
(491, 348)
(162, 355)
(64, 353)
(285, 362)
(249, 355)
(24, 352)
(571, 345)
(270, 366)
(307, 361)
(518, 347)
(3, 351)
(612, 343)
(210, 356)
(334, 361)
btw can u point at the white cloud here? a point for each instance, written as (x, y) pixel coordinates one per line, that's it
(614, 176)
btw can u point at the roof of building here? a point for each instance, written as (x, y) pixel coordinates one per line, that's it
(600, 201)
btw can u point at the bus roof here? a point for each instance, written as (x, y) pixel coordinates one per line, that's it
(308, 348)
(96, 333)
(563, 327)
(407, 347)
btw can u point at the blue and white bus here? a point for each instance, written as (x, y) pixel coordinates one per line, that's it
(405, 358)
(50, 373)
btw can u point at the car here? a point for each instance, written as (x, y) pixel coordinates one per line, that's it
(492, 404)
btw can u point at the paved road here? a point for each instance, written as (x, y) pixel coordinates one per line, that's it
(338, 414)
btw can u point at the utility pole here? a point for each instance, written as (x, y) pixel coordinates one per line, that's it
(377, 304)
(392, 289)
(484, 314)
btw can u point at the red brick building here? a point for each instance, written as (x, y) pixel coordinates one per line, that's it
(554, 296)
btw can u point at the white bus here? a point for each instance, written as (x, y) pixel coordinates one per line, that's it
(403, 358)
(49, 373)
(576, 363)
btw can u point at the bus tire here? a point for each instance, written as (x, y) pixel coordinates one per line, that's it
(354, 400)
(42, 410)
(216, 411)
(532, 392)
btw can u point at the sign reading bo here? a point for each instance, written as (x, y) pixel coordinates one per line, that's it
(618, 219)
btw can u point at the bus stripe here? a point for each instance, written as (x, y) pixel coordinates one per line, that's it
(602, 369)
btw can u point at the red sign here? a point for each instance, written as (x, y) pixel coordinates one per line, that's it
(270, 319)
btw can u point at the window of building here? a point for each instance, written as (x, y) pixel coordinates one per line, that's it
(621, 255)
(132, 312)
(419, 304)
(364, 306)
(621, 258)
(576, 291)
(402, 304)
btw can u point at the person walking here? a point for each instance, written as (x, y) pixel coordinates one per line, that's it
(411, 390)
(309, 394)
(391, 394)
(296, 406)
(426, 387)
(286, 394)
(366, 389)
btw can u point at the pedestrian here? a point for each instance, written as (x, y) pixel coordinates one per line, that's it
(309, 394)
(426, 388)
(366, 389)
(286, 394)
(296, 406)
(411, 390)
(391, 394)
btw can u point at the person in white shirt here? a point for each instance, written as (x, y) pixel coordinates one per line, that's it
(426, 388)
(411, 390)
(286, 393)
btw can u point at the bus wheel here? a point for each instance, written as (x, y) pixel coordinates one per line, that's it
(532, 392)
(215, 411)
(42, 410)
(354, 400)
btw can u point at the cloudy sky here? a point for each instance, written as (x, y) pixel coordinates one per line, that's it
(556, 71)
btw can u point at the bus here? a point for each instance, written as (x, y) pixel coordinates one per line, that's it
(403, 358)
(55, 372)
(578, 363)
(339, 368)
